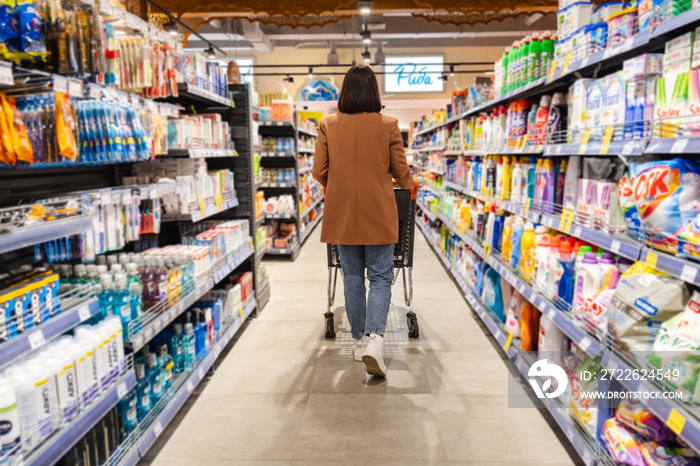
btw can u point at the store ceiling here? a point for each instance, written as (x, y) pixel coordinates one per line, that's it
(393, 30)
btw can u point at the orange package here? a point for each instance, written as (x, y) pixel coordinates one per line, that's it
(529, 327)
(18, 130)
(64, 127)
(6, 139)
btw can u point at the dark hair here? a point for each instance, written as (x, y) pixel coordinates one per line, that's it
(360, 92)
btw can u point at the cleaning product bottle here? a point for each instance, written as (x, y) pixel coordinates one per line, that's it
(189, 344)
(506, 76)
(507, 176)
(542, 119)
(561, 180)
(498, 229)
(537, 204)
(534, 57)
(525, 60)
(552, 263)
(527, 261)
(546, 55)
(143, 391)
(532, 125)
(588, 280)
(507, 238)
(516, 182)
(541, 258)
(556, 124)
(502, 123)
(491, 219)
(128, 407)
(548, 185)
(573, 174)
(565, 291)
(606, 262)
(531, 180)
(518, 230)
(492, 294)
(499, 178)
(529, 326)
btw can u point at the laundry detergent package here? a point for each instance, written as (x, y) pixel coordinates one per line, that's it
(628, 208)
(633, 415)
(659, 455)
(614, 104)
(606, 212)
(692, 125)
(622, 444)
(595, 96)
(677, 348)
(689, 238)
(671, 104)
(643, 300)
(665, 193)
(584, 408)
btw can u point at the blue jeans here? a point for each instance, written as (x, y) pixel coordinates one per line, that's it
(367, 315)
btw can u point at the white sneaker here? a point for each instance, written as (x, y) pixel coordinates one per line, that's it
(374, 356)
(358, 349)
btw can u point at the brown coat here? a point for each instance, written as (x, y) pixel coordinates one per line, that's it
(356, 157)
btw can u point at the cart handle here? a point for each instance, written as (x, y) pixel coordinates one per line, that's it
(414, 189)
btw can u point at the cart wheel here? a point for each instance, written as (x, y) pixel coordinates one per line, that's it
(412, 320)
(330, 325)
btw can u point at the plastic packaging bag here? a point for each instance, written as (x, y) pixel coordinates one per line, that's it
(633, 415)
(64, 127)
(622, 444)
(18, 130)
(658, 455)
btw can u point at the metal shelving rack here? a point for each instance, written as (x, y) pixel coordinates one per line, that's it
(280, 129)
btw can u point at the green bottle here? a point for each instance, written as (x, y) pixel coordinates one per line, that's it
(547, 53)
(512, 62)
(506, 76)
(524, 60)
(533, 58)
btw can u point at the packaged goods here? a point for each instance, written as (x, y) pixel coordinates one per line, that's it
(659, 455)
(583, 408)
(622, 444)
(633, 415)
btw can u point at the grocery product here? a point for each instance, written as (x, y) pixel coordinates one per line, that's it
(633, 415)
(623, 445)
(659, 455)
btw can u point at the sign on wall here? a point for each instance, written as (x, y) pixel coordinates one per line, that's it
(405, 73)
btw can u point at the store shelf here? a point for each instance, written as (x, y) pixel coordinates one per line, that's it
(210, 209)
(63, 440)
(303, 170)
(673, 146)
(311, 227)
(426, 210)
(615, 148)
(312, 206)
(306, 132)
(48, 231)
(684, 269)
(453, 152)
(193, 92)
(307, 151)
(277, 185)
(624, 247)
(151, 434)
(562, 418)
(287, 216)
(455, 187)
(259, 255)
(277, 154)
(233, 263)
(202, 153)
(430, 149)
(71, 316)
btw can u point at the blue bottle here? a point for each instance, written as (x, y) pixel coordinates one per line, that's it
(143, 391)
(155, 377)
(492, 294)
(128, 407)
(189, 345)
(178, 346)
(566, 282)
(498, 230)
(518, 229)
(166, 366)
(106, 296)
(135, 288)
(122, 301)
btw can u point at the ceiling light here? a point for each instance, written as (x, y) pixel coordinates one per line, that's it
(365, 6)
(366, 36)
(311, 73)
(380, 56)
(171, 27)
(452, 70)
(333, 56)
(366, 56)
(211, 54)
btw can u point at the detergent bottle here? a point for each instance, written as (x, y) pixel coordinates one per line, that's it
(527, 246)
(492, 294)
(531, 180)
(506, 174)
(518, 230)
(548, 181)
(507, 238)
(498, 229)
(589, 279)
(565, 290)
(529, 326)
(491, 219)
(516, 182)
(552, 260)
(499, 178)
(541, 257)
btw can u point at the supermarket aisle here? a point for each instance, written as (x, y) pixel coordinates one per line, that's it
(284, 395)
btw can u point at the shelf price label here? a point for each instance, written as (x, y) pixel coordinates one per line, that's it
(584, 141)
(675, 421)
(219, 201)
(552, 70)
(569, 222)
(567, 61)
(522, 143)
(563, 219)
(36, 339)
(121, 390)
(509, 340)
(689, 273)
(651, 259)
(607, 138)
(201, 207)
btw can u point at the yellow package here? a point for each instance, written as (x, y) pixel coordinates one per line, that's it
(6, 138)
(18, 131)
(64, 127)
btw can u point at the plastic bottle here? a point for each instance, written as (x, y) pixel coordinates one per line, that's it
(135, 287)
(154, 376)
(10, 434)
(507, 177)
(565, 290)
(546, 55)
(534, 57)
(43, 378)
(178, 349)
(86, 365)
(128, 407)
(502, 124)
(531, 172)
(507, 242)
(606, 262)
(561, 180)
(28, 403)
(532, 125)
(518, 229)
(66, 378)
(506, 76)
(524, 61)
(537, 204)
(147, 272)
(573, 174)
(491, 219)
(529, 326)
(548, 186)
(552, 263)
(498, 229)
(541, 258)
(492, 294)
(588, 280)
(527, 261)
(189, 345)
(116, 338)
(106, 295)
(499, 178)
(161, 278)
(556, 124)
(143, 391)
(542, 119)
(516, 183)
(166, 364)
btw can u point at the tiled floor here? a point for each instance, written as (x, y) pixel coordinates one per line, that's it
(284, 395)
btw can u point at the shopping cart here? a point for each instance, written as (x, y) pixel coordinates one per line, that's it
(403, 260)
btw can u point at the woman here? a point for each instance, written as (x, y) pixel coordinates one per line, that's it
(358, 152)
